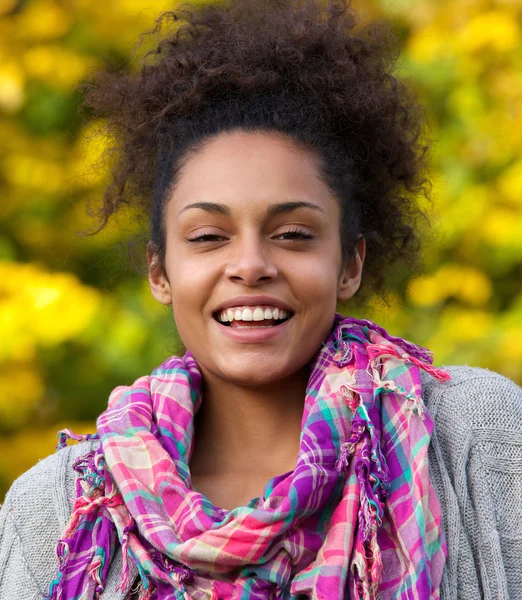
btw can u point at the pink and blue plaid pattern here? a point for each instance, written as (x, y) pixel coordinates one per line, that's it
(357, 518)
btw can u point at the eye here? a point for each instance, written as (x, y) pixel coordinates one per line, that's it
(296, 234)
(206, 237)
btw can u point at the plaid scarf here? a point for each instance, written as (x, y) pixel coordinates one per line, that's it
(358, 517)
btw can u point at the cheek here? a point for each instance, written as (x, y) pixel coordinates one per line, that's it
(314, 278)
(188, 297)
(191, 284)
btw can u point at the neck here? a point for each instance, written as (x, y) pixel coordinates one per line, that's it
(241, 429)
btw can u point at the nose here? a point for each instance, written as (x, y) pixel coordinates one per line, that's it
(251, 263)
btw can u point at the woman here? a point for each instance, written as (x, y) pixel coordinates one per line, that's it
(291, 452)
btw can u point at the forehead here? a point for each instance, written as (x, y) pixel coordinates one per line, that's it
(251, 169)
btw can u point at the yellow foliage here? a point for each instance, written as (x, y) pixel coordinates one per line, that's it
(127, 331)
(43, 20)
(496, 29)
(465, 325)
(510, 183)
(35, 233)
(503, 228)
(6, 6)
(466, 101)
(56, 65)
(465, 213)
(137, 6)
(121, 21)
(506, 87)
(12, 82)
(427, 44)
(34, 172)
(465, 283)
(460, 329)
(87, 167)
(38, 307)
(424, 291)
(21, 388)
(499, 132)
(510, 345)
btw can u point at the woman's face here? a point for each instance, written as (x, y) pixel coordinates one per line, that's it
(253, 258)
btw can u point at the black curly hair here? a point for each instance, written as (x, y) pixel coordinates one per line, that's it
(301, 68)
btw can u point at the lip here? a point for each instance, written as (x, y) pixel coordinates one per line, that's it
(253, 301)
(253, 335)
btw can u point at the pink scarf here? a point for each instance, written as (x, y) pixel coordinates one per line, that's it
(358, 517)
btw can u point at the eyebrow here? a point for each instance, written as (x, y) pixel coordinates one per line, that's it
(273, 209)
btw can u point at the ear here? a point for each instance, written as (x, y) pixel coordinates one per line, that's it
(350, 278)
(159, 284)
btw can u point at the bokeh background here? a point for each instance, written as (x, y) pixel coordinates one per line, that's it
(76, 319)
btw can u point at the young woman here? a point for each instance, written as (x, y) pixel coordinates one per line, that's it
(292, 452)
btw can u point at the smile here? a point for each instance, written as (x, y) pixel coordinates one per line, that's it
(252, 317)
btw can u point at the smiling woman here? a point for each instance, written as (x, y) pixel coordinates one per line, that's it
(291, 452)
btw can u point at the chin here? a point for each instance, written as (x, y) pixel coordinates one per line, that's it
(258, 372)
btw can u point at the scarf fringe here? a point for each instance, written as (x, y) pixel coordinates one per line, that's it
(372, 475)
(378, 351)
(363, 587)
(66, 434)
(96, 569)
(90, 488)
(363, 446)
(125, 572)
(144, 593)
(147, 589)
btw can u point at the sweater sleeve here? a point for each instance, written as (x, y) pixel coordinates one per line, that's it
(32, 520)
(477, 467)
(495, 482)
(16, 578)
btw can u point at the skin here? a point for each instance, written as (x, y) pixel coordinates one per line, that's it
(248, 427)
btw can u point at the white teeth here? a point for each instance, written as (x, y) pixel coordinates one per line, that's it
(259, 314)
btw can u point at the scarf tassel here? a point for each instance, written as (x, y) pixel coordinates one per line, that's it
(125, 572)
(146, 593)
(96, 570)
(66, 434)
(146, 589)
(376, 351)
(372, 475)
(90, 486)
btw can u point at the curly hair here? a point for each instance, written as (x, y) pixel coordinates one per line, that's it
(299, 68)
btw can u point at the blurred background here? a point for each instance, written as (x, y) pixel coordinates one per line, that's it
(76, 319)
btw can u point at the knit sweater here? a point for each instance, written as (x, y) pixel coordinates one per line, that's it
(475, 464)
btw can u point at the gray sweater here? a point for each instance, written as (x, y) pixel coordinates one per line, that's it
(475, 464)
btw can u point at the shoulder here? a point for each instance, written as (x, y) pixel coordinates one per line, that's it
(477, 442)
(50, 482)
(474, 399)
(476, 465)
(478, 420)
(36, 510)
